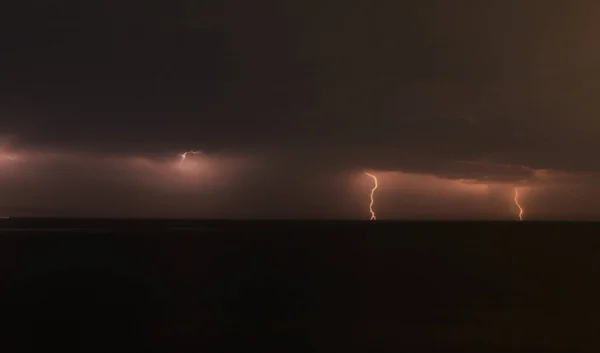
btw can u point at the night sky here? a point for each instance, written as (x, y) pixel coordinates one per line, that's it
(451, 104)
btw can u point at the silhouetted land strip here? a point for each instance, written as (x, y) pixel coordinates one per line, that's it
(64, 223)
(291, 286)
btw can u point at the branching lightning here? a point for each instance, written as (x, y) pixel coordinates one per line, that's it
(373, 218)
(518, 205)
(184, 156)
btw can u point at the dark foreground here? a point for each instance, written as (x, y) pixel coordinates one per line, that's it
(124, 286)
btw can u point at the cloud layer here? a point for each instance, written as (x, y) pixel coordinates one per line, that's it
(448, 101)
(34, 183)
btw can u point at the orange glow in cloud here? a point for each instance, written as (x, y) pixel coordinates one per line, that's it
(373, 218)
(429, 184)
(8, 155)
(518, 205)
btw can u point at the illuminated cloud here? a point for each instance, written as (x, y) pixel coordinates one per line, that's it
(97, 185)
(208, 185)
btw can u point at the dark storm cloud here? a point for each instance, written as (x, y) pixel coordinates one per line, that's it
(36, 183)
(485, 91)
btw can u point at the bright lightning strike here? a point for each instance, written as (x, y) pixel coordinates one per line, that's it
(184, 156)
(518, 205)
(373, 218)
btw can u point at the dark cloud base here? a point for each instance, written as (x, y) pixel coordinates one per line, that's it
(35, 183)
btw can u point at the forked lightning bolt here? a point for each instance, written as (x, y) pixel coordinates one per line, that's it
(518, 205)
(373, 218)
(184, 156)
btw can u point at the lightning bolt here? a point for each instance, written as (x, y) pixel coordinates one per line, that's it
(184, 156)
(518, 205)
(373, 218)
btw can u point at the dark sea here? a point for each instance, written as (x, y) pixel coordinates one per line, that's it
(298, 286)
